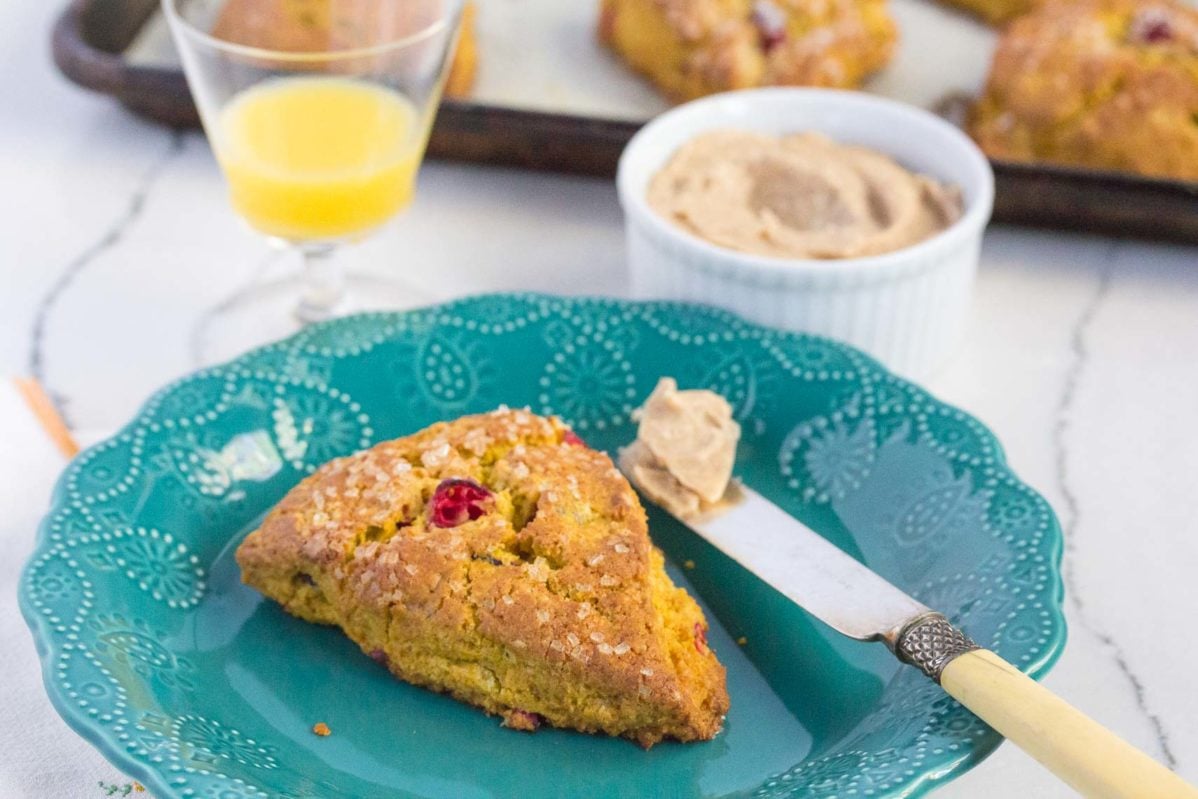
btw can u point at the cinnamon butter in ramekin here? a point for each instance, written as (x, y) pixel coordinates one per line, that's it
(829, 212)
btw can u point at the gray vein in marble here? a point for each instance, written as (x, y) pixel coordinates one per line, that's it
(109, 239)
(1080, 352)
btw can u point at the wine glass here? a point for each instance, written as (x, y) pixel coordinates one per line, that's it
(318, 112)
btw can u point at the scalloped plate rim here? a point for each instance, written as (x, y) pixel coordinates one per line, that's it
(153, 780)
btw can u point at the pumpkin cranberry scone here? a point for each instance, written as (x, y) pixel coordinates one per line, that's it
(1111, 84)
(498, 559)
(318, 25)
(996, 12)
(690, 48)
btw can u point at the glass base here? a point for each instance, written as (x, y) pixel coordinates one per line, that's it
(268, 311)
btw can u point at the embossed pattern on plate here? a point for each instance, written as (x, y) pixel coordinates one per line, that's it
(189, 682)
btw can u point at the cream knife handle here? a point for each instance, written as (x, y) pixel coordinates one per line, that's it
(1089, 757)
(1093, 760)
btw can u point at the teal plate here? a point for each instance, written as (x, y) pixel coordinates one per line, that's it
(197, 687)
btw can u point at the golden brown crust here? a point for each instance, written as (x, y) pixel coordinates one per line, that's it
(319, 25)
(996, 12)
(1111, 84)
(690, 48)
(464, 67)
(552, 604)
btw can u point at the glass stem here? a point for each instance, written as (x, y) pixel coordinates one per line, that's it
(323, 284)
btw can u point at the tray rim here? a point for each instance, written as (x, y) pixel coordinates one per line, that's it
(1029, 194)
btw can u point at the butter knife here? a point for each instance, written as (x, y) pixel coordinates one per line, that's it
(847, 596)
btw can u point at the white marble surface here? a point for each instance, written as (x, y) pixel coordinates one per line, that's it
(1082, 353)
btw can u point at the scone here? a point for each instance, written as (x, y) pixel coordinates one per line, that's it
(690, 48)
(464, 67)
(1111, 84)
(316, 25)
(499, 559)
(996, 11)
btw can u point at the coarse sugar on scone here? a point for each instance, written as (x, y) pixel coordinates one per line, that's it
(500, 560)
(1110, 84)
(690, 48)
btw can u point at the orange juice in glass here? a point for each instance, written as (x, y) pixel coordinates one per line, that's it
(349, 165)
(319, 132)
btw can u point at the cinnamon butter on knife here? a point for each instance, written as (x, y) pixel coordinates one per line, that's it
(684, 451)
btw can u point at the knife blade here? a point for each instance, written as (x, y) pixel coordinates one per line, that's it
(809, 570)
(852, 599)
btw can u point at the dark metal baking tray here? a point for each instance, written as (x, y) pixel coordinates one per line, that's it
(91, 37)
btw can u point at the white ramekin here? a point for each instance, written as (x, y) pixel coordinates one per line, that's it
(905, 308)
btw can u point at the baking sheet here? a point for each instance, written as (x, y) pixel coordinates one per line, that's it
(542, 55)
(549, 97)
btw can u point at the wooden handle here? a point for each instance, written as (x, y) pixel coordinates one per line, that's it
(1092, 759)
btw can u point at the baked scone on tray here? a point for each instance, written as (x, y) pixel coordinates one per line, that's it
(1109, 84)
(691, 48)
(996, 12)
(318, 25)
(499, 559)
